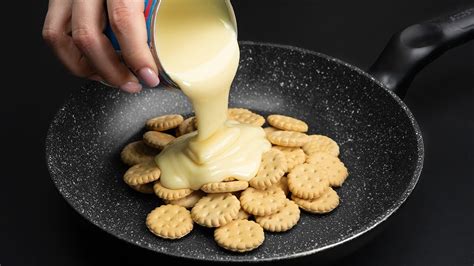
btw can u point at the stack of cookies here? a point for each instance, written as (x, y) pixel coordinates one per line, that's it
(299, 172)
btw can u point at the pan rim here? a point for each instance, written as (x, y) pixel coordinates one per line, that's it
(376, 222)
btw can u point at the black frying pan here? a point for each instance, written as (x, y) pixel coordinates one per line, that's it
(380, 141)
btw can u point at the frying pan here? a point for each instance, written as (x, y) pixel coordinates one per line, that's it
(381, 143)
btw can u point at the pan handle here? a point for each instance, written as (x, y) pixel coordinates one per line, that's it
(411, 49)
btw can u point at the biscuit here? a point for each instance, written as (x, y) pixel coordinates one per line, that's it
(170, 194)
(294, 157)
(288, 138)
(307, 182)
(245, 116)
(283, 185)
(189, 201)
(169, 221)
(287, 123)
(215, 210)
(324, 204)
(269, 130)
(142, 173)
(137, 152)
(320, 143)
(223, 187)
(334, 169)
(242, 215)
(262, 202)
(283, 220)
(272, 168)
(157, 140)
(187, 126)
(240, 236)
(164, 122)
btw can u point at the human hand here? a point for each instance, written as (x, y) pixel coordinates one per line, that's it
(74, 30)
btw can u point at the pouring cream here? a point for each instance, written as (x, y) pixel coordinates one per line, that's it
(196, 42)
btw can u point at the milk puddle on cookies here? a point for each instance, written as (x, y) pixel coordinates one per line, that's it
(196, 42)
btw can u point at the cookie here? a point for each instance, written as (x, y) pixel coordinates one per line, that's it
(294, 157)
(242, 215)
(307, 182)
(324, 204)
(187, 126)
(334, 169)
(240, 236)
(283, 185)
(189, 201)
(170, 194)
(169, 221)
(137, 152)
(282, 220)
(142, 173)
(215, 210)
(145, 188)
(165, 122)
(157, 140)
(269, 130)
(287, 123)
(245, 116)
(320, 143)
(223, 187)
(262, 202)
(288, 138)
(272, 168)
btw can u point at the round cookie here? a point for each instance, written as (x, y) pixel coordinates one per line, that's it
(324, 204)
(288, 138)
(137, 152)
(245, 116)
(262, 202)
(334, 169)
(189, 201)
(283, 220)
(287, 123)
(320, 143)
(215, 210)
(169, 221)
(164, 122)
(272, 168)
(170, 194)
(294, 157)
(187, 126)
(307, 182)
(240, 236)
(157, 140)
(283, 185)
(142, 173)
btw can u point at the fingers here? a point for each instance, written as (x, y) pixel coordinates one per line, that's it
(55, 33)
(129, 25)
(87, 20)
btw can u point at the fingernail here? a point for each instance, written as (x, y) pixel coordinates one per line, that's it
(96, 78)
(149, 77)
(131, 87)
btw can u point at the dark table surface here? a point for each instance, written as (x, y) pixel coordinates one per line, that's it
(434, 227)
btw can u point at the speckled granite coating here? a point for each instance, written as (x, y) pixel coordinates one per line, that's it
(380, 143)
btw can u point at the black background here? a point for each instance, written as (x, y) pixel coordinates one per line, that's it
(434, 227)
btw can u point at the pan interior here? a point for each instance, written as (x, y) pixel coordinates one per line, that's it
(380, 145)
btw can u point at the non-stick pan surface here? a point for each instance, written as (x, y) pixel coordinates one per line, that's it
(380, 143)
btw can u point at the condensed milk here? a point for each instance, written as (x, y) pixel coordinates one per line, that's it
(196, 43)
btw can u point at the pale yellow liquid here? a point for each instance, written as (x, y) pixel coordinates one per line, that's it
(196, 42)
